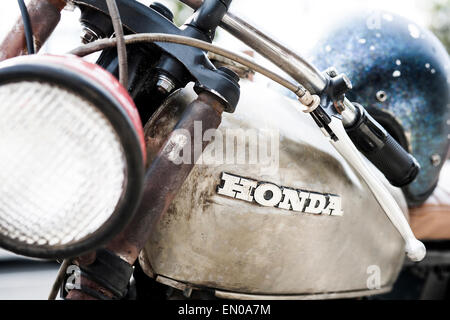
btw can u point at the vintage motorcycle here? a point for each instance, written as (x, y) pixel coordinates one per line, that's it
(194, 181)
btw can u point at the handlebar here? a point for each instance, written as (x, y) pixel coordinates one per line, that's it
(399, 167)
(371, 139)
(284, 58)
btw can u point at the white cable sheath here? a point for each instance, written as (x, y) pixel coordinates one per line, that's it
(414, 248)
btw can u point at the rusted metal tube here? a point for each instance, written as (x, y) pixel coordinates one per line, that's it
(44, 16)
(164, 178)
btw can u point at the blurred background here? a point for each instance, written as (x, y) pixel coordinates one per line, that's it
(286, 20)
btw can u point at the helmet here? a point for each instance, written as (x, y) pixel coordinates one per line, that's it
(401, 73)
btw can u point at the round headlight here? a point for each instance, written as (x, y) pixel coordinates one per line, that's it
(71, 156)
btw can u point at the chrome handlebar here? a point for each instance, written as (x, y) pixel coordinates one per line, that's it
(290, 62)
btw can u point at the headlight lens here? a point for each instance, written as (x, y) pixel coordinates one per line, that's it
(65, 168)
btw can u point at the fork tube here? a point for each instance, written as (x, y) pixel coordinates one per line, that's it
(163, 180)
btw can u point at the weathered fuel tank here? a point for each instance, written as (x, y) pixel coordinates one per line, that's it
(294, 223)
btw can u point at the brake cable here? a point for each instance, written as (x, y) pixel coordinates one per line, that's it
(305, 97)
(59, 279)
(27, 26)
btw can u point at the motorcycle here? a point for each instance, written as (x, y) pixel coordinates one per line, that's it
(161, 164)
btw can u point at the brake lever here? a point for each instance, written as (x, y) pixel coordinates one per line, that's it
(335, 111)
(414, 248)
(330, 122)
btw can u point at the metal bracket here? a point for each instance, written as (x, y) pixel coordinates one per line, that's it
(138, 18)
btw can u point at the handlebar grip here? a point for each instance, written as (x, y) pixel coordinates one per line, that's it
(371, 139)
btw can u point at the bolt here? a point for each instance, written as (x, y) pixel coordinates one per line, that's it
(89, 35)
(165, 85)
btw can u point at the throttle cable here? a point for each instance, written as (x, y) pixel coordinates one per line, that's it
(304, 95)
(27, 27)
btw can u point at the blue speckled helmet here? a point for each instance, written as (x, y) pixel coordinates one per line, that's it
(401, 74)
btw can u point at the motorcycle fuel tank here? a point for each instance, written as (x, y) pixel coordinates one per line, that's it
(270, 210)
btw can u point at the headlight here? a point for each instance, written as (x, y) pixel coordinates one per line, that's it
(71, 156)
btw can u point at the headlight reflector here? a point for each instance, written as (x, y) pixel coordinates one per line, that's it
(71, 157)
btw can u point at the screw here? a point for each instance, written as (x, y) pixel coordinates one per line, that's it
(332, 72)
(381, 96)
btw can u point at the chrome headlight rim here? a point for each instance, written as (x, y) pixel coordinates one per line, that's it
(92, 91)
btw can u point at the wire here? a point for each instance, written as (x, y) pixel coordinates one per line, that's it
(102, 44)
(59, 279)
(27, 26)
(121, 47)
